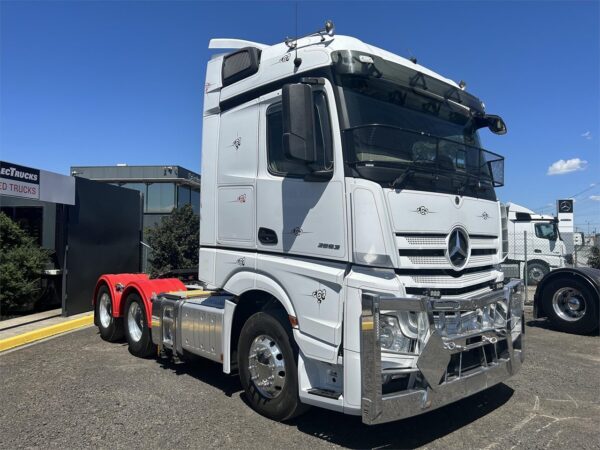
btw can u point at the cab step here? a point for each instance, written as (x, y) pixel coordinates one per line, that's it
(328, 393)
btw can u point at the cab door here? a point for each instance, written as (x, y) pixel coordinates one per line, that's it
(298, 214)
(301, 220)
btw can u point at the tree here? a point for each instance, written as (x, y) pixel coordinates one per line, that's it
(175, 241)
(594, 257)
(21, 263)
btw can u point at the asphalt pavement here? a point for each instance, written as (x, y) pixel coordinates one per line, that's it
(77, 391)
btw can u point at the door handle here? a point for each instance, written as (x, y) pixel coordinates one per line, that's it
(267, 236)
(537, 251)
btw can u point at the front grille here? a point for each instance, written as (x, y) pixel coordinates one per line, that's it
(429, 250)
(448, 280)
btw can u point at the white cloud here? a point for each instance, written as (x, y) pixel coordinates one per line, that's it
(587, 135)
(595, 197)
(561, 166)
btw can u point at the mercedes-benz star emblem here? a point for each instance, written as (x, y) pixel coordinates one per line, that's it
(565, 206)
(458, 247)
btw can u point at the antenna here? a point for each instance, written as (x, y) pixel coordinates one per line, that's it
(297, 61)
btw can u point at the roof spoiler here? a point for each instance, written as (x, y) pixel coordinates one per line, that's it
(234, 44)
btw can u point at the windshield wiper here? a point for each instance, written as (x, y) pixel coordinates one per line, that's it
(399, 181)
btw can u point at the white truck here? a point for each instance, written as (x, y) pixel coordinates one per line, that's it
(543, 250)
(350, 237)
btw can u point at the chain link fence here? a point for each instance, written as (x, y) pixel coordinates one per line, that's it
(534, 253)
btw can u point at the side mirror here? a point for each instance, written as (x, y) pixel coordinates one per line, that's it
(299, 123)
(496, 124)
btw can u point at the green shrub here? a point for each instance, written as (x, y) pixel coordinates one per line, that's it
(21, 263)
(175, 241)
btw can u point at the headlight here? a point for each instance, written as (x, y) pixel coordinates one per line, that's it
(390, 335)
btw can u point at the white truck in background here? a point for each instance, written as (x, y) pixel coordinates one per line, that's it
(545, 249)
(350, 237)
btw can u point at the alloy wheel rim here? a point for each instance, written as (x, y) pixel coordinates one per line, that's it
(135, 322)
(105, 310)
(569, 304)
(267, 366)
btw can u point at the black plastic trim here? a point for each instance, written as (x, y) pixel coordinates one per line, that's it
(448, 291)
(483, 251)
(424, 252)
(252, 94)
(448, 272)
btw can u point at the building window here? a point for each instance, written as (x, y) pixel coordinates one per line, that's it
(160, 198)
(195, 201)
(183, 196)
(140, 187)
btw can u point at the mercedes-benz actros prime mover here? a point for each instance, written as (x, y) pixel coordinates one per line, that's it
(350, 237)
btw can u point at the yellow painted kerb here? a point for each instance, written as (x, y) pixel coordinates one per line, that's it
(42, 333)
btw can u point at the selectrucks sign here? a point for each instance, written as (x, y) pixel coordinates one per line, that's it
(19, 181)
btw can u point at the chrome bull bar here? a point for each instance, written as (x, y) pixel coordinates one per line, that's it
(434, 356)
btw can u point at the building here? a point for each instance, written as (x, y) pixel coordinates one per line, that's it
(72, 218)
(163, 187)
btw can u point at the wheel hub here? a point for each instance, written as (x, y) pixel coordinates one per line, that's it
(267, 366)
(569, 304)
(536, 274)
(574, 304)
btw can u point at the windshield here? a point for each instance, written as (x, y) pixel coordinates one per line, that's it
(403, 138)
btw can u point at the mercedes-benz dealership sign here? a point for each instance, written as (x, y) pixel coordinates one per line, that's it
(19, 181)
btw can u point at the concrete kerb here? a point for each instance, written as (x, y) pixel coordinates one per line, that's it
(13, 338)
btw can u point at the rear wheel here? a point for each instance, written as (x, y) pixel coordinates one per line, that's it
(571, 305)
(137, 330)
(268, 365)
(111, 328)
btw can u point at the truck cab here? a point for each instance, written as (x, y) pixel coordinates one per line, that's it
(534, 239)
(350, 234)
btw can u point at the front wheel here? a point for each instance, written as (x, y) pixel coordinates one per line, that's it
(268, 365)
(536, 271)
(571, 305)
(137, 330)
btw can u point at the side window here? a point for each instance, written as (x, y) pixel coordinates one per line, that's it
(278, 163)
(545, 231)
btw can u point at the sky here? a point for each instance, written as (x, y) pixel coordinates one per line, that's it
(107, 82)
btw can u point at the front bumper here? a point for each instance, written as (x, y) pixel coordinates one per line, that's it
(439, 351)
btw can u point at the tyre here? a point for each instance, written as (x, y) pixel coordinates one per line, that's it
(268, 366)
(535, 272)
(137, 330)
(111, 328)
(571, 305)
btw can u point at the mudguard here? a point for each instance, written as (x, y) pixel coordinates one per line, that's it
(588, 275)
(121, 285)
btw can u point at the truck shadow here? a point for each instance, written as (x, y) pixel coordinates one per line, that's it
(349, 431)
(206, 371)
(545, 324)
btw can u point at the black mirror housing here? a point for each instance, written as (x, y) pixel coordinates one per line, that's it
(496, 124)
(299, 123)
